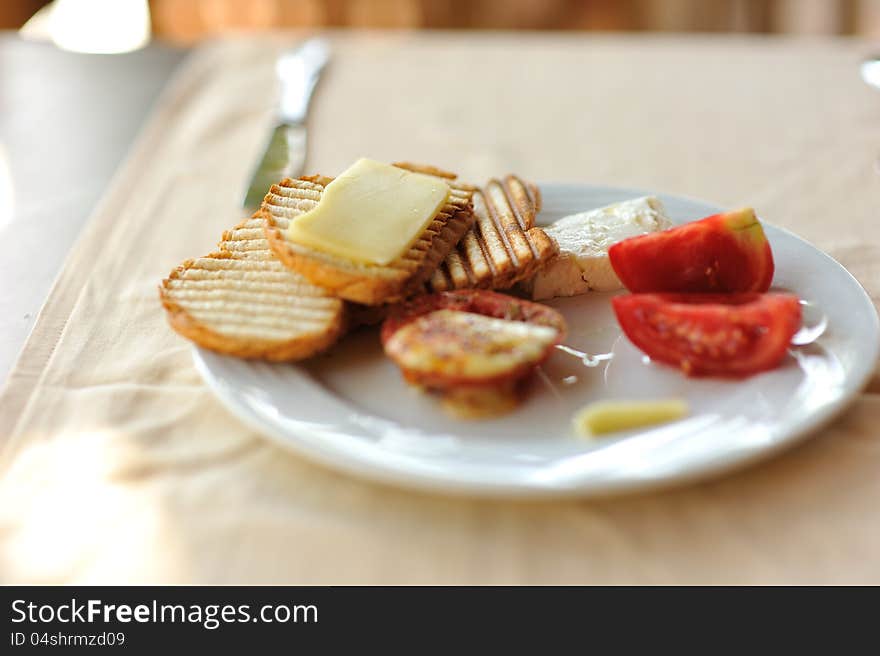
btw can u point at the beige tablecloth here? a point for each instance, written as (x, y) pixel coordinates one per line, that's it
(119, 466)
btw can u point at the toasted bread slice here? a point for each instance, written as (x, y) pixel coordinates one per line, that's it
(242, 301)
(354, 281)
(504, 246)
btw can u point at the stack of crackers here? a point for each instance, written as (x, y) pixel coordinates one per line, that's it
(261, 295)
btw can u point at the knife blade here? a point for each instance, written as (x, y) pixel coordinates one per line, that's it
(284, 154)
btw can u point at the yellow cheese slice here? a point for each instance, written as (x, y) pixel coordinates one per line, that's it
(372, 213)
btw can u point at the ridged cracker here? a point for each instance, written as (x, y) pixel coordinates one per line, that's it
(504, 246)
(359, 282)
(242, 301)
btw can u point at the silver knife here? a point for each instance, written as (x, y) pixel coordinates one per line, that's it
(284, 155)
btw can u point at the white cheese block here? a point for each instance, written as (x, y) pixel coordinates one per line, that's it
(584, 239)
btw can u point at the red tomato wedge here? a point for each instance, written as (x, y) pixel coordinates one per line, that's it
(721, 253)
(711, 334)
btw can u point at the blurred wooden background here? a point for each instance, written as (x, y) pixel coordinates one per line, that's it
(186, 21)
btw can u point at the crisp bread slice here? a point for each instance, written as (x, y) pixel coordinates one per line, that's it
(504, 246)
(358, 282)
(240, 300)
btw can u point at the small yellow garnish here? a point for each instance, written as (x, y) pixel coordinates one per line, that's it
(610, 416)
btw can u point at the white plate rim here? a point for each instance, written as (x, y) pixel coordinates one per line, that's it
(375, 471)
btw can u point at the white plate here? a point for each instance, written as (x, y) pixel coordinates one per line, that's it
(351, 410)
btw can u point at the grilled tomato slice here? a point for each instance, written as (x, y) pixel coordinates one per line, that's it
(721, 253)
(711, 334)
(471, 339)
